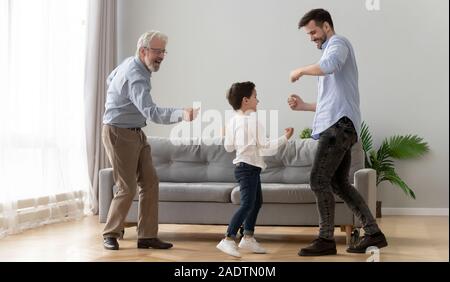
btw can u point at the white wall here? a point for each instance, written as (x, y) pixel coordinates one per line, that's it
(402, 55)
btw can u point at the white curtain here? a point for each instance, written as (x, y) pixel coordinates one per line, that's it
(100, 61)
(43, 168)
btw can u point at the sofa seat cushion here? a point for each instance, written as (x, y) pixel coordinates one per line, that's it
(193, 192)
(282, 193)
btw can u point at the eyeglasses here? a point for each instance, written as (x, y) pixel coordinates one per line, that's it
(157, 51)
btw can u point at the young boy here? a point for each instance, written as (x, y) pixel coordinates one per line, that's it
(247, 136)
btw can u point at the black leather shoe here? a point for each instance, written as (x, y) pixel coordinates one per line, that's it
(376, 240)
(319, 247)
(154, 243)
(110, 243)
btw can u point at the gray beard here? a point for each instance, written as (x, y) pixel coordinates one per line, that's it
(153, 68)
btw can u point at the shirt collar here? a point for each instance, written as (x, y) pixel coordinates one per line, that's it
(141, 65)
(325, 44)
(246, 114)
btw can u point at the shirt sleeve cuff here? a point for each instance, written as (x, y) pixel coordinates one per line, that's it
(325, 66)
(283, 140)
(177, 115)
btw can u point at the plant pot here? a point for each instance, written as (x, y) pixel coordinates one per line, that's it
(378, 210)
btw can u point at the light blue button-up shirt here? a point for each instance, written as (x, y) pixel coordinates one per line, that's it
(338, 89)
(128, 101)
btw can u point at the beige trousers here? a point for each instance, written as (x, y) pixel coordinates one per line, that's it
(130, 156)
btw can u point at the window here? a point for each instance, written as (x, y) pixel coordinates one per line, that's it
(42, 61)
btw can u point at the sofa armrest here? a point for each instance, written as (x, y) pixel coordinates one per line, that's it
(105, 193)
(365, 183)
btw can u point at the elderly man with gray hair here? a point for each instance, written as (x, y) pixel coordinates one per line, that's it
(128, 106)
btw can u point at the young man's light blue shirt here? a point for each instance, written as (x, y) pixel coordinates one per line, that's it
(128, 101)
(338, 89)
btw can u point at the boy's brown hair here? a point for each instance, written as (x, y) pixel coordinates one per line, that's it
(238, 91)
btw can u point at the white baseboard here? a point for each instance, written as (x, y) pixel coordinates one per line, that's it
(415, 211)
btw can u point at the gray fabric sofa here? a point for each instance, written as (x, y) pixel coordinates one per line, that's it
(197, 185)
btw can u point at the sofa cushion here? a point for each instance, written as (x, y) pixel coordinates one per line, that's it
(193, 192)
(196, 192)
(189, 160)
(282, 193)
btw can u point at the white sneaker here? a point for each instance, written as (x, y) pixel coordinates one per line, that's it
(229, 247)
(252, 245)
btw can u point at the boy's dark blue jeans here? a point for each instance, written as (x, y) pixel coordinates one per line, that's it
(329, 175)
(248, 177)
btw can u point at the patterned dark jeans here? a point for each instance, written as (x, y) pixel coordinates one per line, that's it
(329, 175)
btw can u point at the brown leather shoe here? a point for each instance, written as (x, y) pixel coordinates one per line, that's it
(376, 240)
(110, 243)
(154, 243)
(319, 247)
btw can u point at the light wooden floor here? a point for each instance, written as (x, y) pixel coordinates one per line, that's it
(411, 238)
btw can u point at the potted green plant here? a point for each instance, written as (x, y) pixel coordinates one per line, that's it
(398, 147)
(306, 133)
